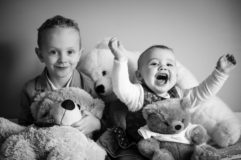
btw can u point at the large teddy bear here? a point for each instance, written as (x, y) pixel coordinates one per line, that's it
(169, 135)
(51, 136)
(223, 128)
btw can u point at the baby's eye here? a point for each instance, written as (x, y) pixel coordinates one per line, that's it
(169, 64)
(53, 52)
(153, 63)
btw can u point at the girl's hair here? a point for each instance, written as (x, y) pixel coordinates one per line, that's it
(56, 21)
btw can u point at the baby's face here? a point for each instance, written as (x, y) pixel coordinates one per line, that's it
(60, 51)
(159, 70)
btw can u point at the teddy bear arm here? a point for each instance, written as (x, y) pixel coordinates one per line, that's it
(8, 128)
(150, 148)
(97, 108)
(17, 147)
(147, 147)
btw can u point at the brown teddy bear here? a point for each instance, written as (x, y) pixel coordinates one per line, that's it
(169, 135)
(52, 137)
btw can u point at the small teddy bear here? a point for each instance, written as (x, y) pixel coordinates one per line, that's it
(51, 136)
(169, 135)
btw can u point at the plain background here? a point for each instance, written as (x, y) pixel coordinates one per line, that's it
(198, 31)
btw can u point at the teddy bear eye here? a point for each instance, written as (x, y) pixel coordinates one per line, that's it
(103, 73)
(78, 106)
(167, 124)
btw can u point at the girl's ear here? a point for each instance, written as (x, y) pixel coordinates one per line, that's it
(138, 76)
(40, 57)
(82, 51)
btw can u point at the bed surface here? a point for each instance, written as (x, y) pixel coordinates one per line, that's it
(229, 153)
(232, 152)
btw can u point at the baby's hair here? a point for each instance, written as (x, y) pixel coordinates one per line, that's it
(56, 21)
(148, 50)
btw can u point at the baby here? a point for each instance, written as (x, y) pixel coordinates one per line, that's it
(157, 76)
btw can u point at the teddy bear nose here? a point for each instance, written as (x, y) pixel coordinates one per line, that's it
(68, 104)
(100, 89)
(178, 126)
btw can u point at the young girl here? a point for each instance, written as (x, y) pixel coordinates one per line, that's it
(59, 48)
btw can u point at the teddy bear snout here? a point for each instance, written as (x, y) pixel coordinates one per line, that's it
(100, 89)
(177, 126)
(68, 104)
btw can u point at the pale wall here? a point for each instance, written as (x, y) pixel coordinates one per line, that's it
(198, 31)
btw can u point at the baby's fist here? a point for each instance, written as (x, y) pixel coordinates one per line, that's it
(116, 48)
(226, 63)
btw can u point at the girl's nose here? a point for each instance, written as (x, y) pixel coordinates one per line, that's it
(62, 57)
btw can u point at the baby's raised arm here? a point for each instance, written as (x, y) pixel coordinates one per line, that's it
(213, 83)
(117, 49)
(129, 93)
(226, 63)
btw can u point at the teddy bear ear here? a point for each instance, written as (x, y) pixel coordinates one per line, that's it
(103, 44)
(185, 103)
(149, 109)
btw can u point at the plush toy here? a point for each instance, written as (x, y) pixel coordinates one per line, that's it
(98, 63)
(51, 136)
(223, 128)
(169, 135)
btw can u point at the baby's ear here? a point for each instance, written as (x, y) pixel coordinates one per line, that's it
(37, 51)
(138, 76)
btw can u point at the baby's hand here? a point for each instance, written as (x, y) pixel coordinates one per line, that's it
(116, 48)
(226, 63)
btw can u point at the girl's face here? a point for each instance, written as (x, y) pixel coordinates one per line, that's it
(60, 51)
(158, 70)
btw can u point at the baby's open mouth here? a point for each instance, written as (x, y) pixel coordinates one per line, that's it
(162, 77)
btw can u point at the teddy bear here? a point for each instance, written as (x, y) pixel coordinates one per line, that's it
(223, 128)
(51, 136)
(169, 135)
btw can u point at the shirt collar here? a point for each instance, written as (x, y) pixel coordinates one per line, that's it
(165, 95)
(53, 87)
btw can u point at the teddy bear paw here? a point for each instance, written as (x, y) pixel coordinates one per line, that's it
(205, 152)
(226, 133)
(199, 135)
(162, 154)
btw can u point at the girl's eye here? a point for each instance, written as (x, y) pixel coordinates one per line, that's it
(169, 64)
(70, 52)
